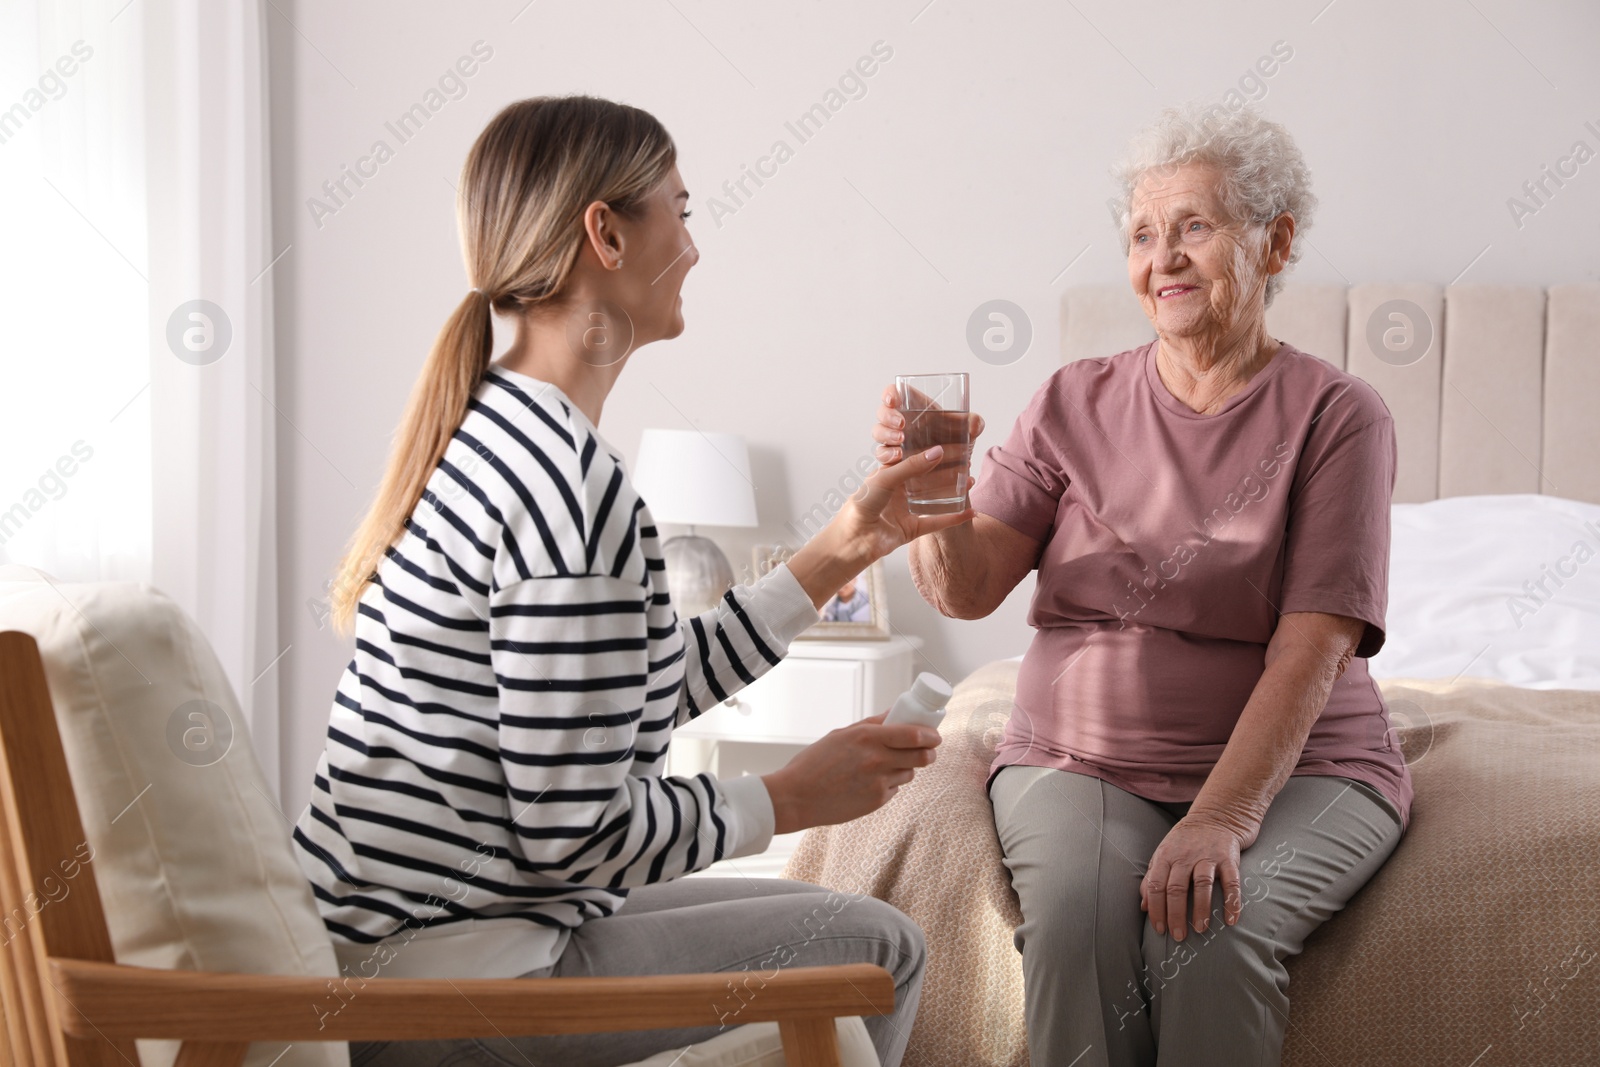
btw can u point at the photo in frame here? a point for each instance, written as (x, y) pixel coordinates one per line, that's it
(858, 611)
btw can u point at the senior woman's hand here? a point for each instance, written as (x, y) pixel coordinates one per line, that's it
(1308, 652)
(1201, 851)
(967, 571)
(889, 431)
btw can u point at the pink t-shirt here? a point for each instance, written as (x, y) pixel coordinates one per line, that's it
(1173, 541)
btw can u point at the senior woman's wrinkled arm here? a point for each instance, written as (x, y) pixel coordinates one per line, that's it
(967, 571)
(1308, 652)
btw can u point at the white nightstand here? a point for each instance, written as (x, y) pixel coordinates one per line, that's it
(820, 686)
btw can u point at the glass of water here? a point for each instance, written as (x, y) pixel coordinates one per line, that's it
(937, 412)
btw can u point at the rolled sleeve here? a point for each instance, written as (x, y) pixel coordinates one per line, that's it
(753, 818)
(782, 602)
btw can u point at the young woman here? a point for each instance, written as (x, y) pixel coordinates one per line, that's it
(491, 802)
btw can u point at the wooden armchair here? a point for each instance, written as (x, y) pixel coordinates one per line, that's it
(69, 1004)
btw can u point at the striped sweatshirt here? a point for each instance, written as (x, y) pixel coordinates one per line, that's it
(492, 775)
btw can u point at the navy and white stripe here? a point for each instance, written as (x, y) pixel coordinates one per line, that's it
(496, 745)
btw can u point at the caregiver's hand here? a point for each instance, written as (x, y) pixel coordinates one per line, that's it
(1195, 850)
(872, 523)
(848, 773)
(879, 515)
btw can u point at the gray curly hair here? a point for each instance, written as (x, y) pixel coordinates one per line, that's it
(1265, 174)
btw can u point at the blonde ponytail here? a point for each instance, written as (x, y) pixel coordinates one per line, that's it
(437, 405)
(526, 183)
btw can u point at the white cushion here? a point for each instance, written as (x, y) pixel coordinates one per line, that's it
(191, 855)
(758, 1045)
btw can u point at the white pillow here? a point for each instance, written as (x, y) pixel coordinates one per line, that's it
(1466, 599)
(191, 856)
(758, 1045)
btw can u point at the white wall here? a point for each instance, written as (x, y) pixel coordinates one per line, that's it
(974, 167)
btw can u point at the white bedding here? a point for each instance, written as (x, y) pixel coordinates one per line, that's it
(1465, 592)
(1465, 598)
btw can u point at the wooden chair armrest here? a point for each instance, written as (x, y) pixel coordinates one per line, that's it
(109, 1000)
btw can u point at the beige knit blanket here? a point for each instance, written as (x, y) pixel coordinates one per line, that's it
(1480, 937)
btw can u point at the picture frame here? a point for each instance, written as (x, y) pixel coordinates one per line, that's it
(869, 621)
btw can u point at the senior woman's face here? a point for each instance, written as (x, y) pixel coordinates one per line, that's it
(1196, 270)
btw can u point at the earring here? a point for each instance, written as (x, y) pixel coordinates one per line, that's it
(619, 262)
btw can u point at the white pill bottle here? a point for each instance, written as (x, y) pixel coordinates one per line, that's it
(923, 703)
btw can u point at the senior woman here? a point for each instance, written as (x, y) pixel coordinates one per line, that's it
(1196, 743)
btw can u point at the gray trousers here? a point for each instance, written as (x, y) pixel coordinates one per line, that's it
(754, 925)
(1103, 988)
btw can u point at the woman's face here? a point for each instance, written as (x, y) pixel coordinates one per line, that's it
(1198, 272)
(657, 253)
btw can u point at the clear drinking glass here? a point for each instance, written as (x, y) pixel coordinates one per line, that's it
(936, 411)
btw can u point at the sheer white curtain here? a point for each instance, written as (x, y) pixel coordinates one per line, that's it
(137, 274)
(74, 400)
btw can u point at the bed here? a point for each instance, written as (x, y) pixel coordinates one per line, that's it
(1479, 941)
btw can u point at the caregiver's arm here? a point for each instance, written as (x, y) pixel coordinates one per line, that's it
(1308, 652)
(873, 522)
(749, 628)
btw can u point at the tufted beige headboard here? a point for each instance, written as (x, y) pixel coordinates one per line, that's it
(1504, 398)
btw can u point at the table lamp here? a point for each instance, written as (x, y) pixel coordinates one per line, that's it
(691, 479)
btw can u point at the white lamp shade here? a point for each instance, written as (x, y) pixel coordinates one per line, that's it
(696, 479)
